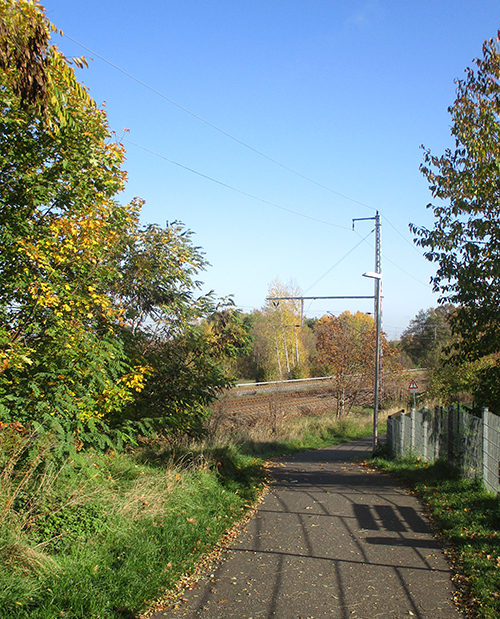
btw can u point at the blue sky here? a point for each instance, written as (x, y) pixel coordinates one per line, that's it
(342, 93)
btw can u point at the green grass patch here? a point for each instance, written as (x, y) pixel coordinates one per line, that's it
(467, 518)
(104, 537)
(308, 433)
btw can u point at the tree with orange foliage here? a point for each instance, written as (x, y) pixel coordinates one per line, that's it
(346, 351)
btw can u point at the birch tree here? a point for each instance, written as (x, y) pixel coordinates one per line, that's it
(283, 330)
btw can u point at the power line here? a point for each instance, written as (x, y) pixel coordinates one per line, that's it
(216, 128)
(242, 143)
(278, 206)
(244, 193)
(403, 237)
(386, 259)
(338, 262)
(406, 273)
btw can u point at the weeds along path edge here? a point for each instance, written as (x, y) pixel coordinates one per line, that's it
(205, 563)
(312, 437)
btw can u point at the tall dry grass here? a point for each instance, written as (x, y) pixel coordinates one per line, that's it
(25, 479)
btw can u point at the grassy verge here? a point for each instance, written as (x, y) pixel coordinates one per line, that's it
(309, 433)
(104, 537)
(467, 519)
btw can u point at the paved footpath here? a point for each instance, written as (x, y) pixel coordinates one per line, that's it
(332, 539)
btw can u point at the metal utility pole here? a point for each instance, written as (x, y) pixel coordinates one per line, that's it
(378, 314)
(377, 276)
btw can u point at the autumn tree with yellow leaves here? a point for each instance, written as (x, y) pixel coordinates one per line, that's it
(283, 353)
(86, 293)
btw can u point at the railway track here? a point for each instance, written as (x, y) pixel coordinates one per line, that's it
(258, 403)
(266, 403)
(272, 405)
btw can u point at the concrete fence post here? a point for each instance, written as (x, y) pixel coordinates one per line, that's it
(485, 446)
(402, 435)
(425, 433)
(437, 431)
(412, 429)
(451, 459)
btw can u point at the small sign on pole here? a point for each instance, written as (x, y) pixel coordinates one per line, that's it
(413, 388)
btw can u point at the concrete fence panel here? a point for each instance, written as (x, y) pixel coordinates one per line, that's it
(470, 443)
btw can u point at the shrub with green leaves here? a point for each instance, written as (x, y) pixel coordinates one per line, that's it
(94, 307)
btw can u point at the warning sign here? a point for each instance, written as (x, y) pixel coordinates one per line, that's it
(413, 387)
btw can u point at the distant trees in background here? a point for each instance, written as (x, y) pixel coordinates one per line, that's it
(283, 330)
(426, 336)
(285, 345)
(345, 347)
(281, 343)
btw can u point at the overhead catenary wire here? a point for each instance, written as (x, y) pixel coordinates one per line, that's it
(406, 272)
(251, 148)
(216, 128)
(278, 206)
(398, 267)
(244, 193)
(403, 236)
(338, 262)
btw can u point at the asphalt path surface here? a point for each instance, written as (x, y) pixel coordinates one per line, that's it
(331, 539)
